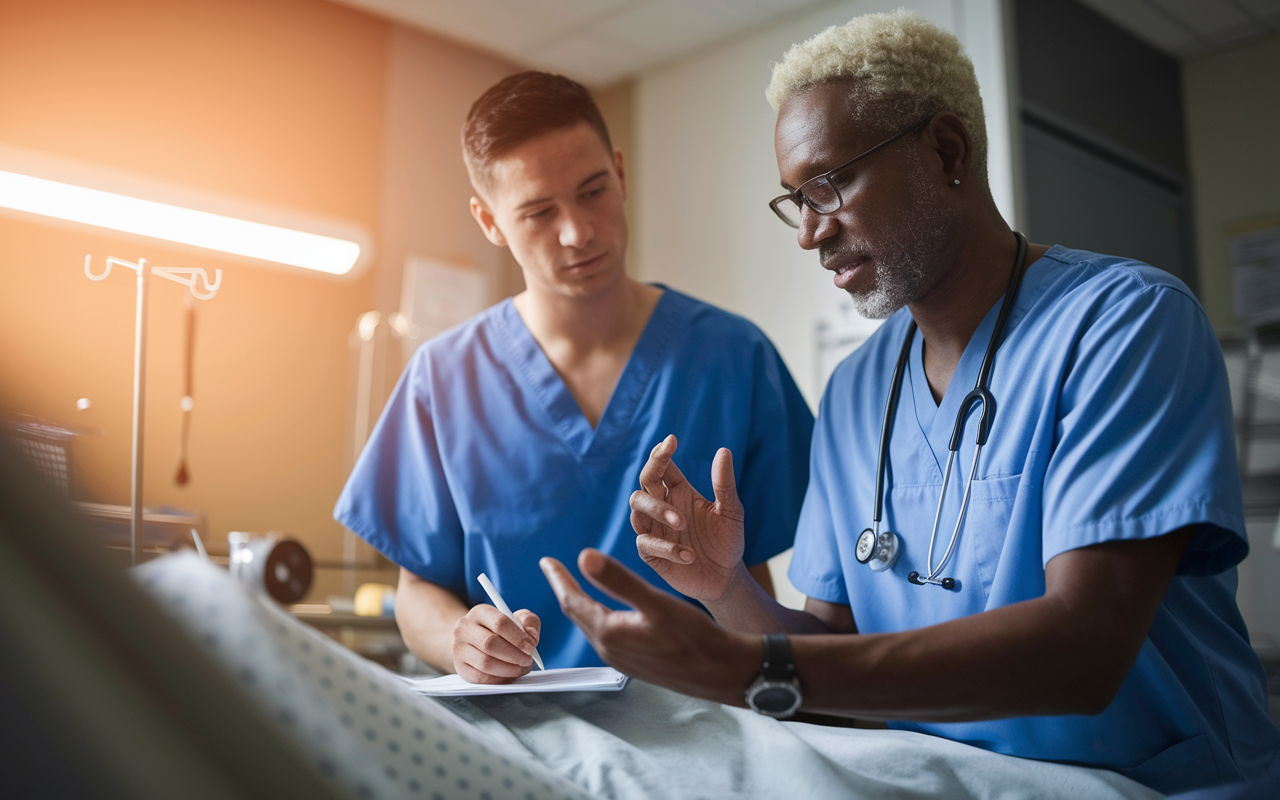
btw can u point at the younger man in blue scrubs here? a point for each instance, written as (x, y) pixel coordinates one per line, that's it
(1089, 611)
(520, 433)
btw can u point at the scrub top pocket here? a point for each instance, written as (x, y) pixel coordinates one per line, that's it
(986, 528)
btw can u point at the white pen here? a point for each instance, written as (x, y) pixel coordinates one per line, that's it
(502, 606)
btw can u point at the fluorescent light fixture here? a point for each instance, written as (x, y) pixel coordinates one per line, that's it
(177, 224)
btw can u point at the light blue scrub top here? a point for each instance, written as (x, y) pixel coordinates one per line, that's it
(1112, 422)
(483, 462)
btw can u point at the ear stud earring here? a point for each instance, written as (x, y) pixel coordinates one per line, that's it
(956, 181)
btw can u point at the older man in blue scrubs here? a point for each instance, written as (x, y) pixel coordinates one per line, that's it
(1073, 599)
(520, 433)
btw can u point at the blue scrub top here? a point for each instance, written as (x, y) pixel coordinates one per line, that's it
(1112, 422)
(483, 462)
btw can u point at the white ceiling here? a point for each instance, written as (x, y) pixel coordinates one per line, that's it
(602, 41)
(594, 41)
(1186, 27)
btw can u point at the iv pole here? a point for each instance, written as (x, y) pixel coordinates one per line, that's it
(139, 405)
(140, 368)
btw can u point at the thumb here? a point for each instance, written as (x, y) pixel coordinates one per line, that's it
(575, 603)
(725, 485)
(611, 577)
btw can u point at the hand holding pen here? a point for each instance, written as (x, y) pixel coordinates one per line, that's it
(492, 644)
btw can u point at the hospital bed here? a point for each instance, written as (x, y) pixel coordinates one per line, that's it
(177, 681)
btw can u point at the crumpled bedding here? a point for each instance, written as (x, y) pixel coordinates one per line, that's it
(647, 742)
(373, 737)
(365, 732)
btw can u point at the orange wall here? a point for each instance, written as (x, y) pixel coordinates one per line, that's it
(425, 190)
(276, 101)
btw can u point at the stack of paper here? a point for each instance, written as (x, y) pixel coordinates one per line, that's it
(576, 679)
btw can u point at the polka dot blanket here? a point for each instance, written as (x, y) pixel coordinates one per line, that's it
(359, 724)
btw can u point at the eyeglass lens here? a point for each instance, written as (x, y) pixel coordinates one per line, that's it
(821, 194)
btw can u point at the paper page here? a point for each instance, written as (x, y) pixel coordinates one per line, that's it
(575, 679)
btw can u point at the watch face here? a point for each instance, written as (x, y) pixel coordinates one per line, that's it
(777, 698)
(865, 547)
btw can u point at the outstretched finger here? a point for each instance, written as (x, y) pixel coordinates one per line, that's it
(576, 604)
(659, 474)
(611, 577)
(657, 547)
(725, 485)
(657, 510)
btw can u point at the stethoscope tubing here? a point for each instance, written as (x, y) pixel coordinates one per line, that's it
(886, 427)
(980, 394)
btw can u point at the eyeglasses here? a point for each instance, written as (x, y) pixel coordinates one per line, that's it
(821, 193)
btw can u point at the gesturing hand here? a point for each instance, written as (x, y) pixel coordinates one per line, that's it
(665, 641)
(695, 545)
(489, 647)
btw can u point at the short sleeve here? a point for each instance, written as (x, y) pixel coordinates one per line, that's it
(815, 565)
(775, 470)
(1144, 438)
(397, 498)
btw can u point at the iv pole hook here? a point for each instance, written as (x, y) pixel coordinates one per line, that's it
(88, 273)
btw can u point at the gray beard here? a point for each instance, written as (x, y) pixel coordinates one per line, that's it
(899, 277)
(902, 260)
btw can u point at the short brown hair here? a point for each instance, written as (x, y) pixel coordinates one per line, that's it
(520, 108)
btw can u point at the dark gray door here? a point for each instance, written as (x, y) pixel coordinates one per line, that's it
(1082, 197)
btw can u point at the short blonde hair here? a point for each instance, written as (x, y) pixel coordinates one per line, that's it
(900, 67)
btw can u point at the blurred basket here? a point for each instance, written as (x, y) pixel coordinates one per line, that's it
(48, 446)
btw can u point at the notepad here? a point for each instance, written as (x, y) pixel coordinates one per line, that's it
(574, 679)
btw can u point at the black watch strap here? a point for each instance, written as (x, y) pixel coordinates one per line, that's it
(778, 665)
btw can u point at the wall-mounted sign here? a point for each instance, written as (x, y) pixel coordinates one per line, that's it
(1255, 269)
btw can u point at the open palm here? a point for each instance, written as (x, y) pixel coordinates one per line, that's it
(694, 544)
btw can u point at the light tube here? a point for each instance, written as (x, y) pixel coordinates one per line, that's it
(176, 224)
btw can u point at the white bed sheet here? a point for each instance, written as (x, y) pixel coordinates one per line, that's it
(647, 742)
(373, 737)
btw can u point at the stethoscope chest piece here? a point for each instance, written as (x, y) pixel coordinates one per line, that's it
(880, 552)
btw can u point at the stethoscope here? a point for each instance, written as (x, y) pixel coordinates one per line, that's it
(880, 549)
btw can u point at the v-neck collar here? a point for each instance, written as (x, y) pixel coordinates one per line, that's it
(937, 420)
(530, 363)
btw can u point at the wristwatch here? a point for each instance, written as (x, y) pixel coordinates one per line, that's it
(776, 692)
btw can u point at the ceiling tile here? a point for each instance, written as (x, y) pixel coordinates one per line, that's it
(602, 40)
(575, 16)
(1215, 21)
(1149, 24)
(580, 10)
(1268, 11)
(674, 27)
(593, 58)
(509, 27)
